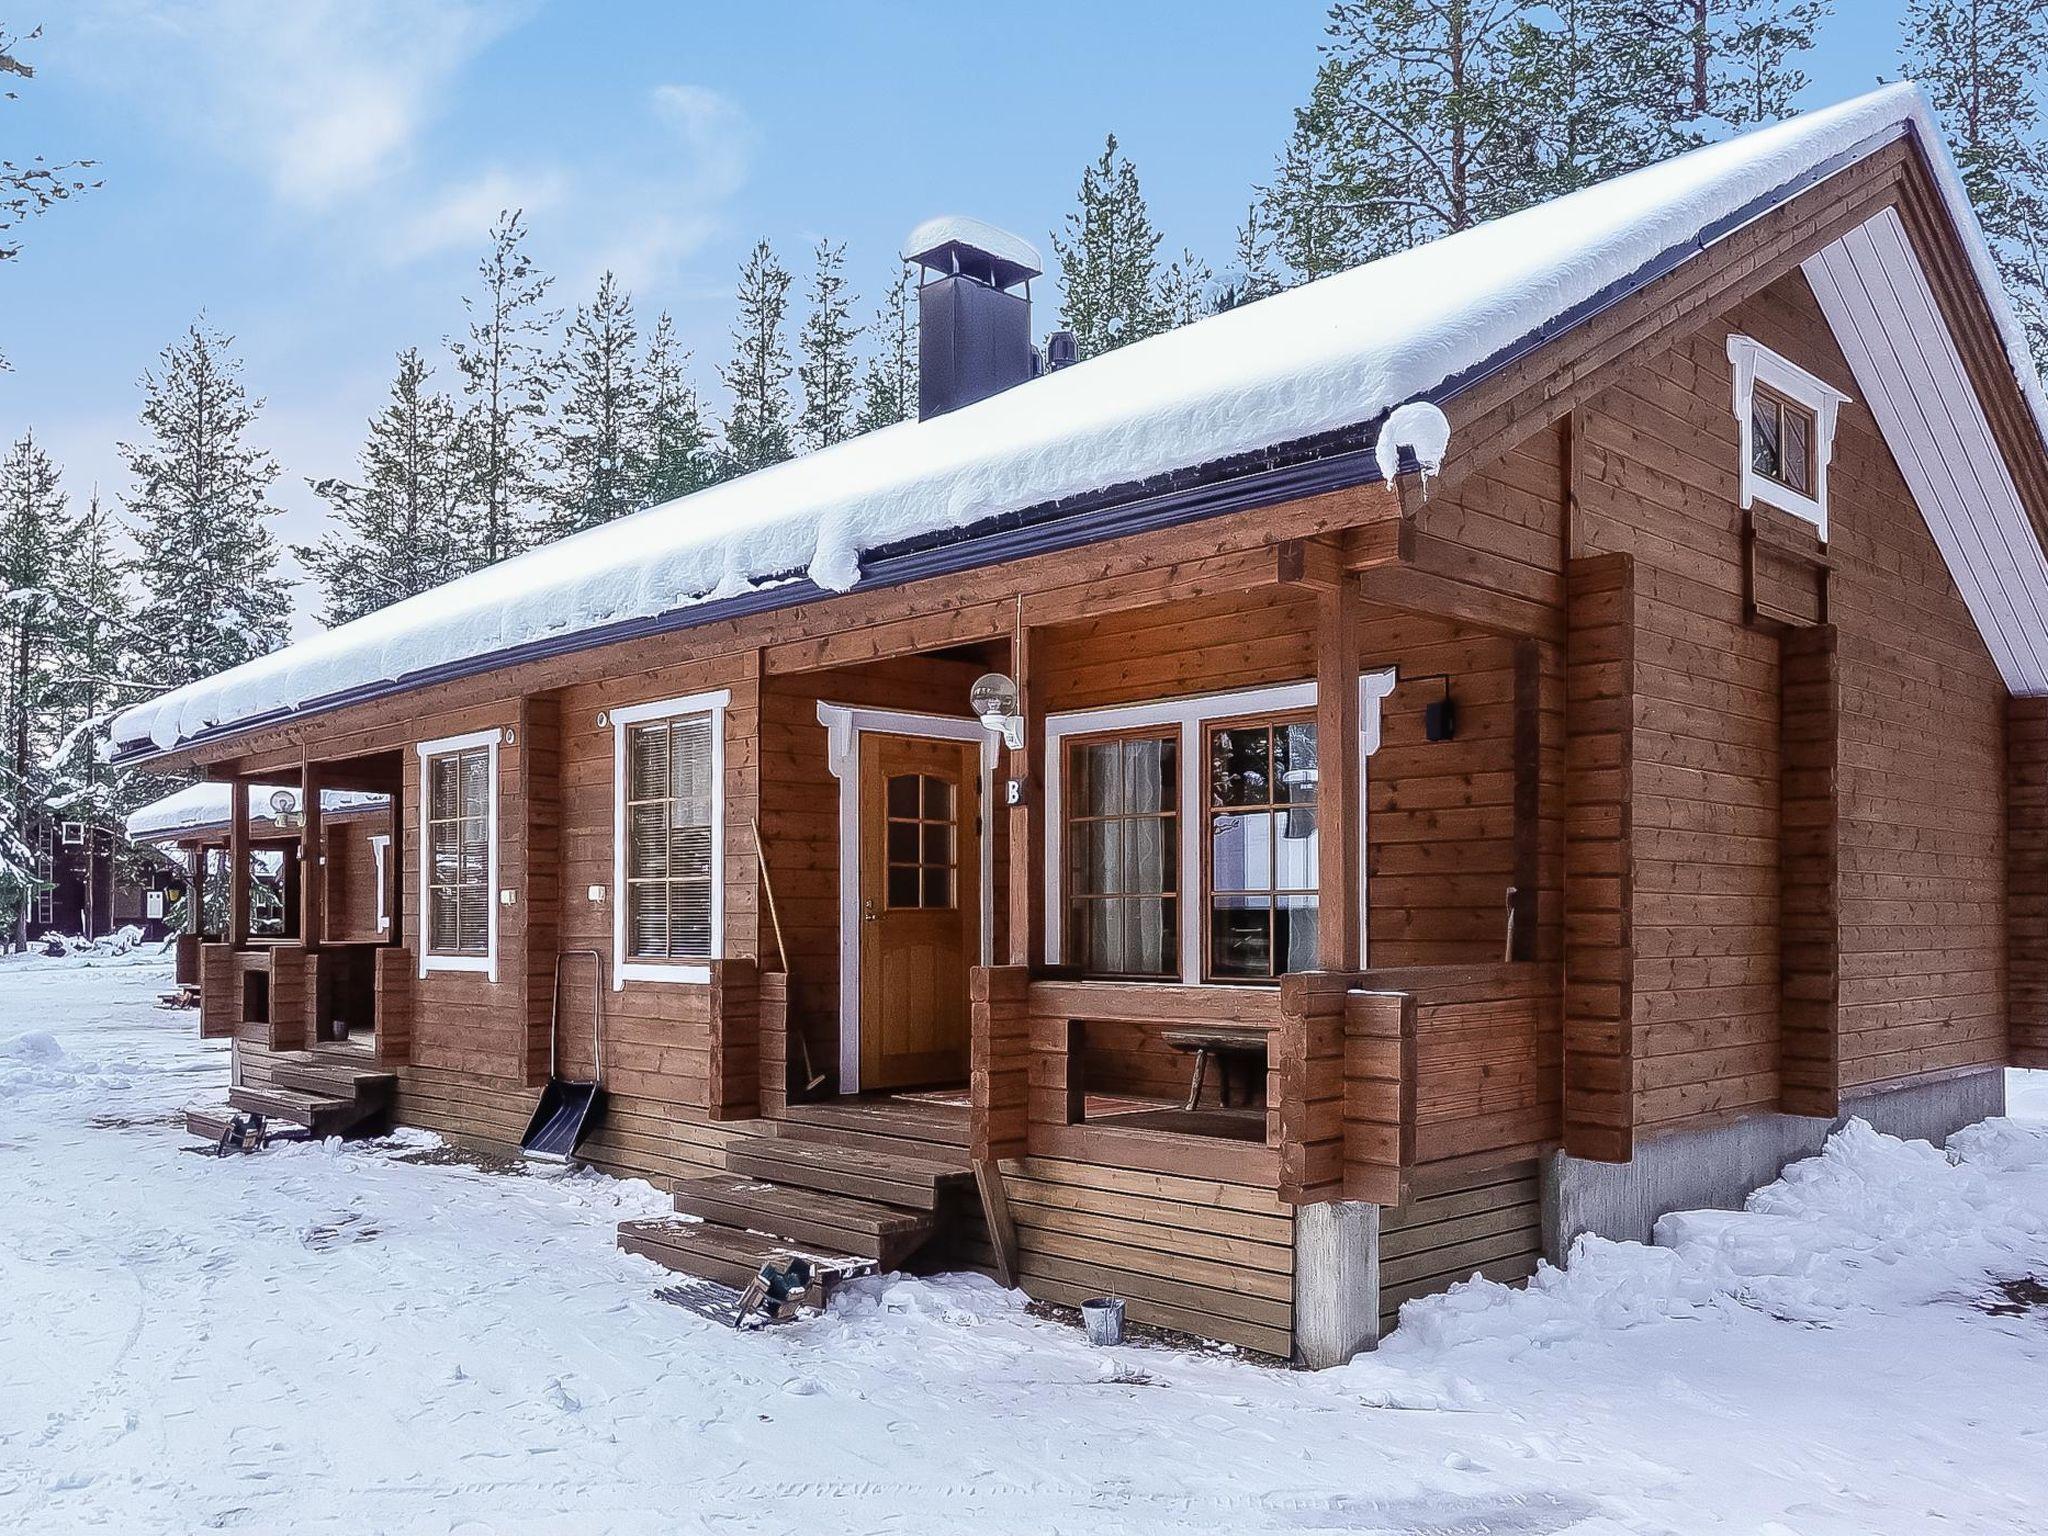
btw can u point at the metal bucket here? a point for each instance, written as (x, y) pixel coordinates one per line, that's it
(1103, 1317)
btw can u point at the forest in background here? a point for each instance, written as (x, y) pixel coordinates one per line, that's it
(538, 416)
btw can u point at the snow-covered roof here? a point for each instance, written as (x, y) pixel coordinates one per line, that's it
(204, 807)
(1331, 355)
(961, 229)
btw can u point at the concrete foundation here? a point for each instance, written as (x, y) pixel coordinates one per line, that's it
(1336, 1281)
(1718, 1167)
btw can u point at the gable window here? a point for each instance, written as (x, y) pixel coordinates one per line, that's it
(1262, 849)
(1122, 796)
(669, 838)
(459, 853)
(1781, 441)
(1786, 420)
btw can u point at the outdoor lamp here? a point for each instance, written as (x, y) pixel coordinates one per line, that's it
(284, 806)
(996, 700)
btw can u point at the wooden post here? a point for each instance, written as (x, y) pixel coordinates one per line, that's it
(1337, 761)
(238, 863)
(195, 889)
(1026, 913)
(312, 859)
(1599, 902)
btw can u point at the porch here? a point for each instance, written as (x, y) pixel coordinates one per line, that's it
(1416, 1094)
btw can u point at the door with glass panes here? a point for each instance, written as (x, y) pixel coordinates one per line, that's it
(920, 904)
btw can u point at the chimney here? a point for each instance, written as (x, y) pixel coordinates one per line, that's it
(973, 312)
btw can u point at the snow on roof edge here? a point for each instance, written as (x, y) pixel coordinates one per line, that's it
(197, 807)
(1312, 360)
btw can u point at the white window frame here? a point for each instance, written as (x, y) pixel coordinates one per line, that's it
(1754, 364)
(380, 850)
(621, 720)
(1190, 715)
(487, 962)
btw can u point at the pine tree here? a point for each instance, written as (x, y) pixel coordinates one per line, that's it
(31, 522)
(1979, 62)
(676, 454)
(757, 433)
(212, 594)
(597, 455)
(1254, 278)
(1758, 76)
(1431, 135)
(825, 352)
(31, 188)
(398, 525)
(1313, 221)
(1183, 295)
(95, 651)
(1108, 255)
(889, 386)
(503, 362)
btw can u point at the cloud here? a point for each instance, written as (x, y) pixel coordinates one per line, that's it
(461, 213)
(324, 99)
(637, 211)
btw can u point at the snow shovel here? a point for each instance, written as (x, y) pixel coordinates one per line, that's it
(568, 1109)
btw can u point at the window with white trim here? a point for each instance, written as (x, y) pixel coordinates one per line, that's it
(668, 870)
(1785, 418)
(458, 849)
(668, 839)
(458, 864)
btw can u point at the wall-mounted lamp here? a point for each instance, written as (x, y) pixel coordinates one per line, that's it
(284, 807)
(1440, 716)
(999, 704)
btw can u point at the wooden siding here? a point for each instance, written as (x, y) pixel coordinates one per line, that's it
(1460, 1222)
(2026, 846)
(1600, 867)
(1809, 886)
(1921, 756)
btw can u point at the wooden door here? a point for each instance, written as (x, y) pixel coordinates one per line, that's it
(920, 906)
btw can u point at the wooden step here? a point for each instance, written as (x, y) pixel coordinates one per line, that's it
(879, 1232)
(907, 1122)
(331, 1078)
(728, 1255)
(910, 1182)
(207, 1121)
(321, 1115)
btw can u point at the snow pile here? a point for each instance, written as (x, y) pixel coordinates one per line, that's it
(1333, 354)
(1871, 1222)
(35, 1063)
(1420, 428)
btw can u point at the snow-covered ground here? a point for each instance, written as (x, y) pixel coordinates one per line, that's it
(334, 1339)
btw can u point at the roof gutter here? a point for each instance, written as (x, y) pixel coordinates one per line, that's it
(1000, 540)
(1018, 536)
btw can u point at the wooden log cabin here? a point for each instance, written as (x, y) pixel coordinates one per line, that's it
(1550, 723)
(353, 860)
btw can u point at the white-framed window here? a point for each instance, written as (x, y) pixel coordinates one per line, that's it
(668, 838)
(1182, 836)
(459, 853)
(1786, 420)
(74, 834)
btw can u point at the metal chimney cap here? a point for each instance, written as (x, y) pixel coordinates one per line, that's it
(955, 242)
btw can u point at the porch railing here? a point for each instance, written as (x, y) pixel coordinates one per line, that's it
(1369, 1075)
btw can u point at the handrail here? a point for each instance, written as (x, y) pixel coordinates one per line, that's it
(596, 1014)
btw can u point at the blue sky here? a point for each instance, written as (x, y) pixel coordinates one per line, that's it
(317, 176)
